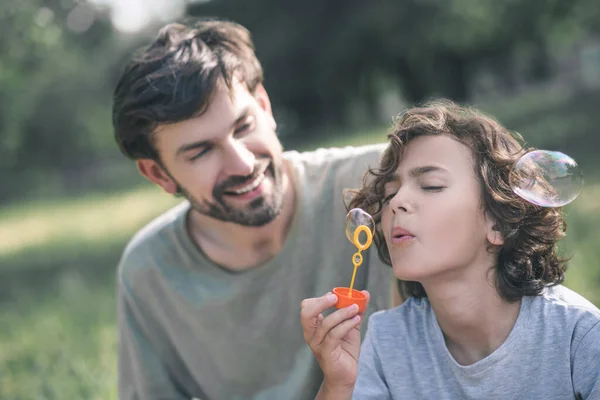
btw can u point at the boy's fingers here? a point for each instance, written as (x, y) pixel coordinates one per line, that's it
(366, 293)
(310, 308)
(329, 323)
(338, 333)
(310, 312)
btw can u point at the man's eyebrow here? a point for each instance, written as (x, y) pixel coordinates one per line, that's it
(243, 115)
(192, 146)
(203, 143)
(415, 172)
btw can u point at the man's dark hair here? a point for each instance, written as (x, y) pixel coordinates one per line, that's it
(174, 78)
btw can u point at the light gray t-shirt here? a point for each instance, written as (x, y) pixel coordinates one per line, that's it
(552, 352)
(189, 328)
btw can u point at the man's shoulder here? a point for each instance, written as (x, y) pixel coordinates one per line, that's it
(151, 238)
(336, 167)
(323, 156)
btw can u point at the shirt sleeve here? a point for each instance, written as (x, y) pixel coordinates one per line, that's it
(370, 383)
(586, 365)
(142, 373)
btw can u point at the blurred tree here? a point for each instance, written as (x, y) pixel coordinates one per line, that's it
(53, 89)
(326, 64)
(320, 56)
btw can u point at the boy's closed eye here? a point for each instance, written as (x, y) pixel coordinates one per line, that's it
(432, 189)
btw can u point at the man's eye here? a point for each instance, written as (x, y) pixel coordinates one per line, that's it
(199, 154)
(246, 126)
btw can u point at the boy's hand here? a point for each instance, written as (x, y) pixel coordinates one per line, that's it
(335, 340)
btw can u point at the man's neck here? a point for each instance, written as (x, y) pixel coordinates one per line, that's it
(473, 317)
(236, 247)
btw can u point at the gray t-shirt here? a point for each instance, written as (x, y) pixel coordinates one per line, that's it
(189, 328)
(552, 352)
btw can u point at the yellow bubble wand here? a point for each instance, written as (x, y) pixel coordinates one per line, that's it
(349, 296)
(357, 257)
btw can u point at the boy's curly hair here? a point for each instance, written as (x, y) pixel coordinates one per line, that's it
(527, 261)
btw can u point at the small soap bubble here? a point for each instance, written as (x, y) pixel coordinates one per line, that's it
(355, 218)
(348, 195)
(546, 178)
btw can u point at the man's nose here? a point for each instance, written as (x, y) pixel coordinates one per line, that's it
(239, 160)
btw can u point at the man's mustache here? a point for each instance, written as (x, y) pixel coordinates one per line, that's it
(260, 166)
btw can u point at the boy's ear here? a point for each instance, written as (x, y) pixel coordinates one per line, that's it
(494, 236)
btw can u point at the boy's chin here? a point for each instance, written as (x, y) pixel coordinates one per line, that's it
(408, 273)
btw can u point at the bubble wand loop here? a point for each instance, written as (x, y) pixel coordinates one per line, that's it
(357, 221)
(357, 258)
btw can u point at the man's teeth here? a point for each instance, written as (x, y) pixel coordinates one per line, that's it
(251, 186)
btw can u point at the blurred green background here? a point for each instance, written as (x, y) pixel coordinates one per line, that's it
(337, 72)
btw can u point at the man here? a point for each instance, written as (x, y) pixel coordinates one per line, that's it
(209, 292)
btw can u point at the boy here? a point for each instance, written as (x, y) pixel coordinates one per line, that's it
(486, 315)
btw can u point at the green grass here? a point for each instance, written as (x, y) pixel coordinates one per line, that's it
(60, 345)
(57, 312)
(48, 234)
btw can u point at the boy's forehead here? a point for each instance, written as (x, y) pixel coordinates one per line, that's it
(439, 150)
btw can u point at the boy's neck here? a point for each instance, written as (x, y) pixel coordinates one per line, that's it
(473, 317)
(236, 247)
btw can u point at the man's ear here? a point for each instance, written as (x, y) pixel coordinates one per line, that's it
(156, 174)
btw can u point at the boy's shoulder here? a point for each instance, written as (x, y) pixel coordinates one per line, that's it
(562, 314)
(412, 311)
(567, 308)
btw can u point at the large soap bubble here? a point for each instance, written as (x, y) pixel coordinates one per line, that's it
(546, 178)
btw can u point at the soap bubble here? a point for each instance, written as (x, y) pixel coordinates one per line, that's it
(355, 218)
(546, 178)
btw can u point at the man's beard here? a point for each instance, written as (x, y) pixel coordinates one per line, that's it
(258, 212)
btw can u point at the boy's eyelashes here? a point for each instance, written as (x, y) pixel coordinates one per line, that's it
(432, 189)
(387, 198)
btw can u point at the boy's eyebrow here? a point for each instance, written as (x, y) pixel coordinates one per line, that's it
(415, 172)
(418, 171)
(204, 143)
